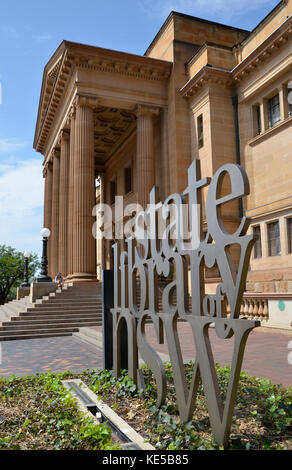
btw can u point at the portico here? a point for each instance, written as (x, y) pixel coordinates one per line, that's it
(97, 109)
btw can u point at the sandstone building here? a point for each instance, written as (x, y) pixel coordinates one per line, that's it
(202, 90)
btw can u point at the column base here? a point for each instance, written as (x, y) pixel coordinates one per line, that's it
(81, 277)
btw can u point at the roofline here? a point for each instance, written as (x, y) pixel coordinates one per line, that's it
(184, 15)
(277, 7)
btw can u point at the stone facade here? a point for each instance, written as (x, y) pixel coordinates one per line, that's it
(202, 90)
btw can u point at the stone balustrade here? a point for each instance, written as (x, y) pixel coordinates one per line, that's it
(266, 308)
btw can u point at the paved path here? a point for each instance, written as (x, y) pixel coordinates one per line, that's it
(27, 357)
(266, 353)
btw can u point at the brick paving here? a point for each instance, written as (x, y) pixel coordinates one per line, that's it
(27, 357)
(266, 353)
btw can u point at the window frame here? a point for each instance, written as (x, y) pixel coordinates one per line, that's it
(274, 239)
(125, 179)
(200, 131)
(258, 243)
(271, 107)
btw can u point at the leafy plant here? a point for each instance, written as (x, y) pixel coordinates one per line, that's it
(37, 412)
(12, 271)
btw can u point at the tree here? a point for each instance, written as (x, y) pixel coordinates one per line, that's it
(12, 264)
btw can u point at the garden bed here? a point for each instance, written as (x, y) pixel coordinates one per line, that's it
(262, 416)
(39, 413)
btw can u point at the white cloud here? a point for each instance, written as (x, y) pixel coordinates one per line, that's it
(10, 32)
(11, 145)
(43, 37)
(21, 203)
(223, 10)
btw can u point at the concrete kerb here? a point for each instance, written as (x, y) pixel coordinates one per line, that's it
(135, 441)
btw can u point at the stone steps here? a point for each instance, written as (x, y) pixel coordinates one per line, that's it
(41, 330)
(59, 314)
(51, 318)
(33, 336)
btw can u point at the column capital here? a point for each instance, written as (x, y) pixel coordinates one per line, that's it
(63, 135)
(71, 113)
(48, 166)
(55, 153)
(145, 110)
(85, 100)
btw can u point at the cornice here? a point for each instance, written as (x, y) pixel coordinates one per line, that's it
(256, 58)
(264, 51)
(73, 56)
(206, 75)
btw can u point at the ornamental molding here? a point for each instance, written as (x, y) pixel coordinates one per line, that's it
(207, 75)
(264, 52)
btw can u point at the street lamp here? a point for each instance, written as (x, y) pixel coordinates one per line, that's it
(43, 277)
(25, 281)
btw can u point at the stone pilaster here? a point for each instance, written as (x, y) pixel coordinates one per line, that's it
(48, 176)
(63, 202)
(71, 195)
(84, 252)
(145, 152)
(55, 215)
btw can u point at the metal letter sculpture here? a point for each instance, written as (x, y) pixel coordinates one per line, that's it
(148, 257)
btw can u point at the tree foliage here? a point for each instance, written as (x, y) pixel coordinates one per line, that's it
(12, 265)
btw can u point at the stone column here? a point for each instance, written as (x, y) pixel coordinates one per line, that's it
(48, 175)
(63, 202)
(84, 258)
(145, 152)
(71, 196)
(55, 215)
(102, 201)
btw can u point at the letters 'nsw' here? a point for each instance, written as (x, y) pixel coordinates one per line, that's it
(180, 259)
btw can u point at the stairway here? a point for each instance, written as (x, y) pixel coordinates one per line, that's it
(59, 314)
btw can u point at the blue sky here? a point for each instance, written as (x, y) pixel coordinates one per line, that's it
(30, 31)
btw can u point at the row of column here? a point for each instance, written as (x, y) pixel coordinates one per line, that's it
(70, 190)
(70, 198)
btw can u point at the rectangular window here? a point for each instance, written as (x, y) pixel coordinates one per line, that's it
(128, 180)
(257, 250)
(289, 233)
(274, 245)
(289, 98)
(257, 120)
(274, 110)
(200, 131)
(113, 191)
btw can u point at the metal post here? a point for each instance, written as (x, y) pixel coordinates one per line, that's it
(107, 324)
(25, 280)
(44, 270)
